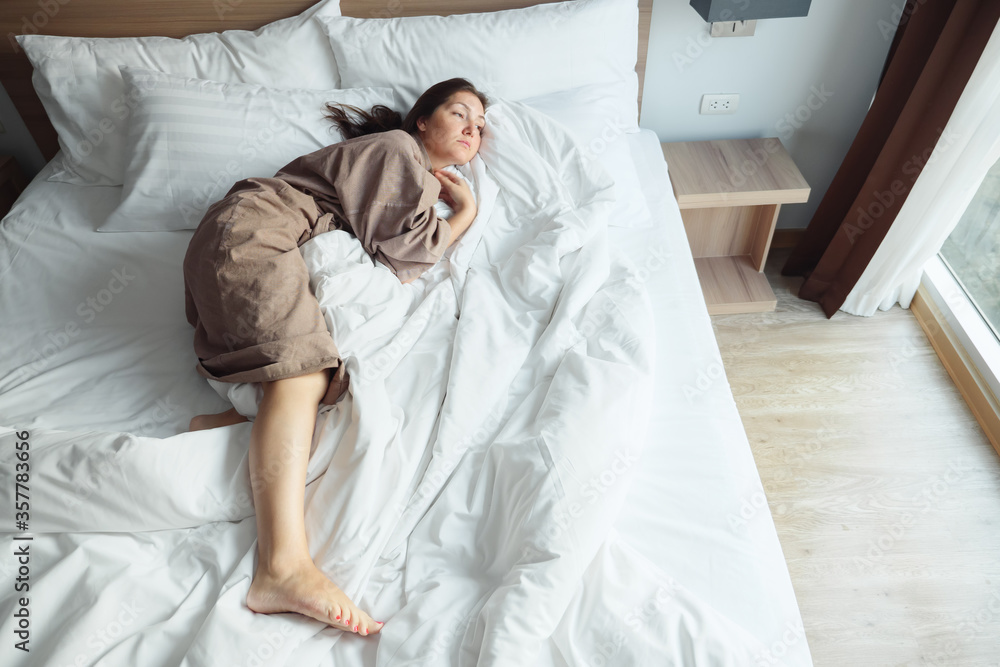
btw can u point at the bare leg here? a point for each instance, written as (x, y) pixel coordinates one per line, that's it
(227, 418)
(286, 578)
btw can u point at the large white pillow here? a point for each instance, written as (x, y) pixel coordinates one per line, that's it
(78, 81)
(515, 54)
(189, 140)
(597, 115)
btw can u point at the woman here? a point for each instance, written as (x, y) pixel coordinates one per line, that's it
(256, 320)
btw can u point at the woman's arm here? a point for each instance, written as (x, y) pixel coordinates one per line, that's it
(459, 222)
(456, 193)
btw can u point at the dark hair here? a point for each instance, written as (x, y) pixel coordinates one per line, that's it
(382, 119)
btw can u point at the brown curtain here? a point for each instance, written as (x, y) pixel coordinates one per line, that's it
(935, 49)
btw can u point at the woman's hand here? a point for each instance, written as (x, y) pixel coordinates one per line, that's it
(455, 192)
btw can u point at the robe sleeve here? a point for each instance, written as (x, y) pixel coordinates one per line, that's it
(385, 192)
(389, 198)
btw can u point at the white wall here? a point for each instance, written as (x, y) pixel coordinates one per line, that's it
(837, 53)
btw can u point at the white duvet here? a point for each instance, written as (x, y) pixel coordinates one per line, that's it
(463, 491)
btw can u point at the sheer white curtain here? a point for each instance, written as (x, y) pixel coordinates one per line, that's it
(967, 148)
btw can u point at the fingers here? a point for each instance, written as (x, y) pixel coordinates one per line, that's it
(454, 186)
(455, 191)
(447, 174)
(446, 184)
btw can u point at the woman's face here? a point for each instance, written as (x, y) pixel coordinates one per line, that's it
(451, 134)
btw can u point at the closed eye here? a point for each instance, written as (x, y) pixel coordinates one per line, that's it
(479, 128)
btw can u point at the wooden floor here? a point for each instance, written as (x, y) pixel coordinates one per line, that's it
(884, 491)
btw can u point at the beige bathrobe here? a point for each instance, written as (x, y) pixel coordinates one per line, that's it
(246, 285)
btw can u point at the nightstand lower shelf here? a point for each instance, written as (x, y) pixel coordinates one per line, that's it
(732, 285)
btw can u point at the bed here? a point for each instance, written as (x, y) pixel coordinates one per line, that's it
(539, 462)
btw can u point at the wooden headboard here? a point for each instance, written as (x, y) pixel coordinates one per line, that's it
(179, 18)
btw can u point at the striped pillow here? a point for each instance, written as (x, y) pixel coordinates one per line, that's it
(78, 81)
(189, 140)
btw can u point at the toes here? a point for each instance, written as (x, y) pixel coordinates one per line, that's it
(368, 625)
(336, 614)
(358, 619)
(356, 622)
(340, 618)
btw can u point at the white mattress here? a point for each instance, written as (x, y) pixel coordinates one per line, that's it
(94, 337)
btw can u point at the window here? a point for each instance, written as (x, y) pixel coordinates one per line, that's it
(972, 251)
(963, 281)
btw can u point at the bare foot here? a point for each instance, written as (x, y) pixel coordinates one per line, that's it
(305, 590)
(227, 418)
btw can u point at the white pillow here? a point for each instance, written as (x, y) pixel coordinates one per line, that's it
(514, 53)
(190, 140)
(78, 81)
(597, 115)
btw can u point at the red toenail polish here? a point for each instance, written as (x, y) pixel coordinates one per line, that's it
(338, 618)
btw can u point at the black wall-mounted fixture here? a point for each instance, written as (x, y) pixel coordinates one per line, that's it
(714, 11)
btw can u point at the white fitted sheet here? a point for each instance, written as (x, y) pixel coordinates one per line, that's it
(697, 507)
(94, 337)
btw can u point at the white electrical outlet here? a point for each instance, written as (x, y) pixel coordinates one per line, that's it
(733, 28)
(719, 104)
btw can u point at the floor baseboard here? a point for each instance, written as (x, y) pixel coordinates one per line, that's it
(975, 391)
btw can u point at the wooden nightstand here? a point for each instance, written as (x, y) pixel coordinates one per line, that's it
(12, 183)
(730, 193)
